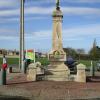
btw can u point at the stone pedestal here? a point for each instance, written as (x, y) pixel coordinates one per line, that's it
(81, 75)
(57, 70)
(31, 74)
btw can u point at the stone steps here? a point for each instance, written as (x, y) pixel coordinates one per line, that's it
(43, 77)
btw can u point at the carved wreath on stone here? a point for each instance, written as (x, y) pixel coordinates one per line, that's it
(56, 54)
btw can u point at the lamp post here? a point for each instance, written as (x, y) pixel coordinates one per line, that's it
(21, 60)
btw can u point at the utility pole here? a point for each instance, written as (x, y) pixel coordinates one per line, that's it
(21, 57)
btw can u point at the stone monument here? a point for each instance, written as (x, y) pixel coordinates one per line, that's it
(31, 73)
(57, 70)
(81, 74)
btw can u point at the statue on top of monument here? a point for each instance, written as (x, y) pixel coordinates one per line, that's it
(57, 4)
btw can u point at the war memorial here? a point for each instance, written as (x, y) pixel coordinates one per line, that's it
(55, 82)
(57, 70)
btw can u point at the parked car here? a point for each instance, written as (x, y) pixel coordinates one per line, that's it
(71, 63)
(98, 66)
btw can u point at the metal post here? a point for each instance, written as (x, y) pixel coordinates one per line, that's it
(3, 77)
(92, 70)
(34, 56)
(21, 61)
(3, 71)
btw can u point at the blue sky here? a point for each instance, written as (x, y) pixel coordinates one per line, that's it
(81, 23)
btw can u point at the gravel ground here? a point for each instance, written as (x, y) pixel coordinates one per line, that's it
(18, 88)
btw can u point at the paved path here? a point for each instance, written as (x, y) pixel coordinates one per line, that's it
(18, 87)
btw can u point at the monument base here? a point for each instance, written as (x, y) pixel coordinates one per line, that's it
(57, 71)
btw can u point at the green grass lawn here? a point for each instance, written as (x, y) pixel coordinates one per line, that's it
(87, 62)
(45, 61)
(10, 61)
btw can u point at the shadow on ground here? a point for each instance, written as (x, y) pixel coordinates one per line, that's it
(23, 98)
(12, 98)
(95, 79)
(88, 99)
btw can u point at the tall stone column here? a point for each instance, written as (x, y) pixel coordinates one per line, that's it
(57, 70)
(57, 33)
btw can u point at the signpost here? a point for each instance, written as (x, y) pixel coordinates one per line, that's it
(30, 54)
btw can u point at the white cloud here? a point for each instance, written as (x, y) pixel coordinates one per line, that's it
(44, 33)
(82, 1)
(49, 10)
(10, 12)
(80, 11)
(87, 13)
(8, 3)
(71, 34)
(70, 1)
(8, 33)
(66, 10)
(17, 19)
(87, 30)
(8, 38)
